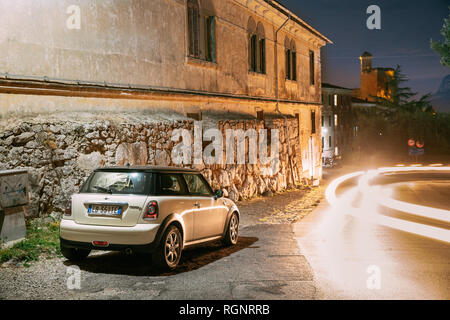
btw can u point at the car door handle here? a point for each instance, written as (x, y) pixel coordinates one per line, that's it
(197, 204)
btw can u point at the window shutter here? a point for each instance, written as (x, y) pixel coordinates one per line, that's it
(288, 64)
(262, 56)
(249, 52)
(253, 57)
(294, 65)
(207, 38)
(191, 31)
(311, 67)
(196, 32)
(213, 39)
(263, 53)
(313, 122)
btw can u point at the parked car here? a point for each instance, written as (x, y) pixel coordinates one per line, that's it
(160, 210)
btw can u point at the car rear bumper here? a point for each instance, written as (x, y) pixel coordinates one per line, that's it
(72, 233)
(148, 248)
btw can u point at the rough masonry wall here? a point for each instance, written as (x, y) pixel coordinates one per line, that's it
(60, 156)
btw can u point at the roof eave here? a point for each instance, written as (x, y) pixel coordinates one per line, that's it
(296, 19)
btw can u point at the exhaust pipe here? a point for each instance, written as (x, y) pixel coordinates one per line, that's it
(128, 251)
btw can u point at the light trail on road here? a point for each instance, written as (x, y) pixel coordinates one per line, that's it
(374, 196)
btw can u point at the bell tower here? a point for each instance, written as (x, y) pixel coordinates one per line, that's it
(366, 62)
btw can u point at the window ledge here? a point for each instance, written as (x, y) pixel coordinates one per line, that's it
(291, 84)
(201, 63)
(257, 74)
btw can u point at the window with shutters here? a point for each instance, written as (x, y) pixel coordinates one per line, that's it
(313, 122)
(256, 47)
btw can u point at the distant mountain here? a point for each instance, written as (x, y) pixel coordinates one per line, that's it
(441, 99)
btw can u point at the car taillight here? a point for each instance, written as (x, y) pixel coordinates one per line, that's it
(100, 243)
(68, 210)
(151, 212)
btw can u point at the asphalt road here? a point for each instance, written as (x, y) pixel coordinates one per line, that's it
(359, 249)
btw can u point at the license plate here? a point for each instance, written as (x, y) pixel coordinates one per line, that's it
(104, 210)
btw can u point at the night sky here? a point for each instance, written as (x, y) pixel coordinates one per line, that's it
(404, 38)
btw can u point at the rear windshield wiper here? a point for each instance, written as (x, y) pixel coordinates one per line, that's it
(103, 189)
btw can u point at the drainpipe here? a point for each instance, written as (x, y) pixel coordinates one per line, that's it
(276, 65)
(278, 98)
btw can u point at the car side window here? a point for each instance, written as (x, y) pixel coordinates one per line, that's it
(171, 185)
(197, 186)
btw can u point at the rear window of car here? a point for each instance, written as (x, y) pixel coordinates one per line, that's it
(118, 182)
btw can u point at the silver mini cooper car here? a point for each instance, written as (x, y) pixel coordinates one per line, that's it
(160, 210)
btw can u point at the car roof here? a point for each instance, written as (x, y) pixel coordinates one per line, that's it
(148, 169)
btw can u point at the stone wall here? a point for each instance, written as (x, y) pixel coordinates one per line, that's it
(60, 156)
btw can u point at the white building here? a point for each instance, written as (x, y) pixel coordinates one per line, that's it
(337, 122)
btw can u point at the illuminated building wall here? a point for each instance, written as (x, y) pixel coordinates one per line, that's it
(374, 81)
(337, 121)
(183, 56)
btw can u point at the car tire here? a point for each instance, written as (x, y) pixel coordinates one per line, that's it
(75, 254)
(232, 234)
(168, 254)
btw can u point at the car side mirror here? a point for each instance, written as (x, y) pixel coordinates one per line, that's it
(218, 194)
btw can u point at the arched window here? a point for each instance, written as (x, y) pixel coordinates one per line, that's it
(201, 30)
(252, 45)
(256, 46)
(291, 59)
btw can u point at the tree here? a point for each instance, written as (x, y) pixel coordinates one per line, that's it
(443, 47)
(400, 97)
(401, 116)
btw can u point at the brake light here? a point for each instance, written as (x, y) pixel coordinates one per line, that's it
(68, 210)
(151, 212)
(100, 243)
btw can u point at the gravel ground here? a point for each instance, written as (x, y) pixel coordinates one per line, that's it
(286, 207)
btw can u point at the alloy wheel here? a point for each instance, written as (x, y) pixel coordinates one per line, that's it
(172, 248)
(234, 225)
